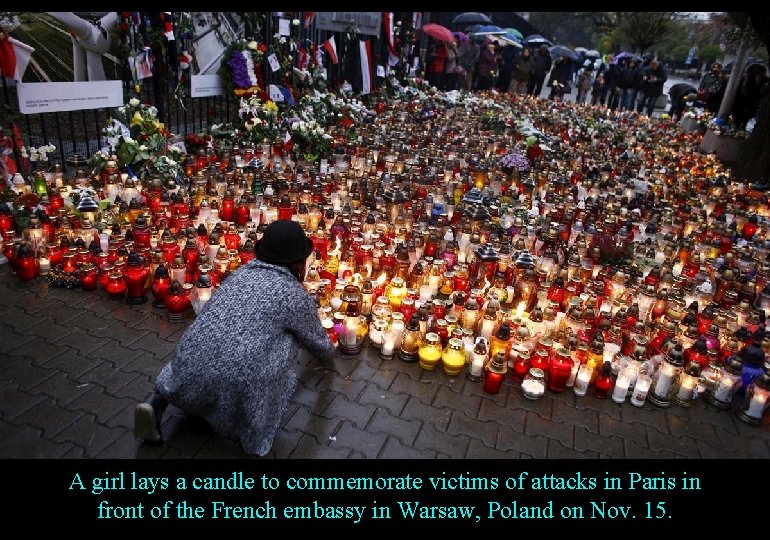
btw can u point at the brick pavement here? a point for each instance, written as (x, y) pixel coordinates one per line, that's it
(74, 364)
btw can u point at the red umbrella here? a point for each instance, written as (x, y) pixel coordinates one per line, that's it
(436, 31)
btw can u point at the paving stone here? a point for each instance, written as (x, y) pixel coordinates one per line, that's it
(374, 395)
(683, 446)
(363, 371)
(636, 451)
(74, 453)
(49, 417)
(89, 435)
(120, 332)
(403, 429)
(309, 448)
(716, 417)
(365, 442)
(123, 418)
(42, 352)
(144, 364)
(412, 369)
(694, 430)
(318, 426)
(446, 398)
(557, 450)
(314, 400)
(10, 340)
(393, 449)
(756, 449)
(727, 441)
(341, 408)
(490, 411)
(90, 322)
(608, 426)
(151, 343)
(422, 390)
(417, 410)
(81, 341)
(108, 377)
(707, 451)
(219, 447)
(650, 416)
(542, 406)
(343, 365)
(61, 388)
(586, 441)
(433, 439)
(129, 314)
(21, 323)
(479, 450)
(101, 404)
(476, 389)
(13, 402)
(381, 377)
(8, 431)
(34, 304)
(180, 331)
(587, 419)
(47, 330)
(122, 357)
(178, 435)
(126, 446)
(31, 445)
(25, 374)
(561, 431)
(60, 313)
(329, 381)
(461, 424)
(535, 446)
(158, 324)
(72, 363)
(99, 306)
(284, 443)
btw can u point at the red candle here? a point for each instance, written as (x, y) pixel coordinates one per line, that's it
(88, 277)
(559, 370)
(116, 287)
(160, 286)
(26, 266)
(135, 276)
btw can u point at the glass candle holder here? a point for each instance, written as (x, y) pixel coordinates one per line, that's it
(726, 384)
(429, 352)
(494, 373)
(533, 385)
(756, 401)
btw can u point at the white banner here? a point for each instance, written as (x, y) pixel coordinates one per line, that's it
(69, 96)
(206, 85)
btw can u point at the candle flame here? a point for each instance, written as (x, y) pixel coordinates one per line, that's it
(337, 251)
(486, 285)
(381, 279)
(520, 309)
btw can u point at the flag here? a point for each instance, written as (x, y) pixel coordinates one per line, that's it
(365, 50)
(331, 48)
(304, 59)
(14, 57)
(387, 21)
(308, 16)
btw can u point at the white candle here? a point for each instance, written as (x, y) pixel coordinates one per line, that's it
(487, 327)
(573, 373)
(641, 388)
(477, 364)
(388, 344)
(664, 380)
(722, 392)
(178, 274)
(533, 388)
(351, 329)
(686, 388)
(621, 387)
(581, 382)
(756, 405)
(45, 265)
(397, 326)
(426, 293)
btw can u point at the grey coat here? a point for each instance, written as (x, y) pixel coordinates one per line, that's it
(234, 366)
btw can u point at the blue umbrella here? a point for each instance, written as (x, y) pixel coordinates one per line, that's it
(489, 29)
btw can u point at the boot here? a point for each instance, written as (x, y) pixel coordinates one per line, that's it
(147, 418)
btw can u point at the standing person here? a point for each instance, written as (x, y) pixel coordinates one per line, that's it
(469, 57)
(450, 67)
(541, 65)
(640, 95)
(585, 82)
(561, 77)
(629, 80)
(610, 80)
(437, 54)
(487, 67)
(507, 60)
(523, 67)
(654, 77)
(752, 87)
(712, 88)
(234, 366)
(597, 88)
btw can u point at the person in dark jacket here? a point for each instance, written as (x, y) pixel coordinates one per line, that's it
(628, 83)
(680, 94)
(712, 88)
(487, 67)
(234, 366)
(561, 77)
(523, 67)
(541, 65)
(752, 87)
(653, 79)
(469, 57)
(507, 59)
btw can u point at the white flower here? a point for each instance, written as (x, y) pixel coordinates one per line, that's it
(134, 102)
(295, 22)
(128, 140)
(122, 110)
(294, 126)
(249, 125)
(143, 147)
(282, 41)
(252, 45)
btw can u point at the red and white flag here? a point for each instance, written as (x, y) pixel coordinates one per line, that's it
(387, 20)
(331, 48)
(365, 49)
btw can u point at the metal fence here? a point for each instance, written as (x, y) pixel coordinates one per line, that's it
(81, 131)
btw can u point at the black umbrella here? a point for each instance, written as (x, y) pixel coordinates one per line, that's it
(560, 50)
(537, 39)
(471, 17)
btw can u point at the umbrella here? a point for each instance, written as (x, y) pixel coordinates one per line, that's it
(537, 39)
(436, 31)
(580, 49)
(461, 37)
(593, 54)
(489, 29)
(515, 33)
(471, 17)
(625, 54)
(503, 40)
(560, 50)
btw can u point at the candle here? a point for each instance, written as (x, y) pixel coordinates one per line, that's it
(581, 382)
(45, 265)
(388, 345)
(686, 388)
(621, 386)
(641, 388)
(722, 392)
(573, 374)
(351, 330)
(664, 379)
(757, 405)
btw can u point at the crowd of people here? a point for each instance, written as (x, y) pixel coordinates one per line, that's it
(623, 81)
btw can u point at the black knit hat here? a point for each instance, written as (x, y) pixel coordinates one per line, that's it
(283, 242)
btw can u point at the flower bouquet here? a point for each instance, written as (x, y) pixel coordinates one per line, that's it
(241, 68)
(514, 162)
(260, 120)
(309, 139)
